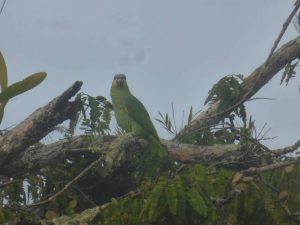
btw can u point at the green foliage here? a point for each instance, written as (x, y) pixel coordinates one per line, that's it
(171, 197)
(96, 115)
(191, 116)
(3, 73)
(174, 199)
(196, 202)
(226, 133)
(22, 86)
(6, 215)
(8, 92)
(168, 125)
(181, 197)
(202, 137)
(289, 72)
(155, 203)
(165, 121)
(228, 91)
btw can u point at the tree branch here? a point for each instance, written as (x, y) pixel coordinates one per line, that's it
(111, 158)
(285, 150)
(253, 83)
(39, 124)
(35, 158)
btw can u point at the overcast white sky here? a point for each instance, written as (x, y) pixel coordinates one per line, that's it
(171, 51)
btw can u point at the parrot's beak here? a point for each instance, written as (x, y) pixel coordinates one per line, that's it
(120, 82)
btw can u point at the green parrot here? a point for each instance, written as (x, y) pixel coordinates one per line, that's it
(132, 116)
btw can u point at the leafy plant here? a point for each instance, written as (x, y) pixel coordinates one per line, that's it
(8, 92)
(228, 91)
(166, 123)
(96, 115)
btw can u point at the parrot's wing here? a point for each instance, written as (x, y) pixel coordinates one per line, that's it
(137, 112)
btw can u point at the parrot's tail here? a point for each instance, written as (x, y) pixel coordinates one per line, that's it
(153, 160)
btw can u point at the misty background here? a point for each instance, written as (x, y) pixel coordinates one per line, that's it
(171, 51)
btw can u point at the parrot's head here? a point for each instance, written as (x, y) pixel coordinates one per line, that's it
(119, 81)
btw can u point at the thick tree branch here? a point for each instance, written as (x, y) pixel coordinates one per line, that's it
(285, 150)
(111, 158)
(253, 170)
(38, 124)
(187, 153)
(252, 84)
(36, 158)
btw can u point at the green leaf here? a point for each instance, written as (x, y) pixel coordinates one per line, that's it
(171, 197)
(2, 106)
(190, 115)
(196, 202)
(3, 73)
(154, 200)
(166, 118)
(22, 86)
(152, 203)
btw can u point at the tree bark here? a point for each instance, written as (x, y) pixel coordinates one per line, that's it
(36, 158)
(38, 125)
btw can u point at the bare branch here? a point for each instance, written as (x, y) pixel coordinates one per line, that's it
(285, 150)
(39, 124)
(188, 153)
(251, 99)
(273, 166)
(4, 184)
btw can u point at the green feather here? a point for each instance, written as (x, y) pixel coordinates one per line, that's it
(132, 116)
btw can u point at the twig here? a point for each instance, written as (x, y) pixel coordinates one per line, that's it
(83, 195)
(68, 184)
(173, 115)
(222, 201)
(9, 182)
(261, 146)
(255, 170)
(2, 7)
(252, 99)
(261, 130)
(268, 184)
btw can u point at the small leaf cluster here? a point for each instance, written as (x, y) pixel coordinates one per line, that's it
(94, 117)
(224, 133)
(228, 91)
(202, 137)
(166, 123)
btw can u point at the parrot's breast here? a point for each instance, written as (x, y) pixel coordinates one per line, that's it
(121, 112)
